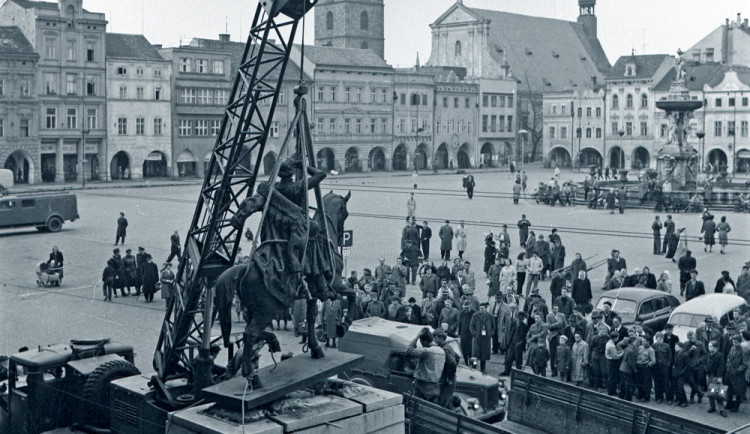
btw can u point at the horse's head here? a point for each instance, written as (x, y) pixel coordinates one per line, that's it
(336, 213)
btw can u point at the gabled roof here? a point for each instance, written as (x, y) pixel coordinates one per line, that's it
(696, 76)
(743, 74)
(548, 53)
(125, 46)
(27, 4)
(237, 49)
(13, 42)
(645, 65)
(353, 57)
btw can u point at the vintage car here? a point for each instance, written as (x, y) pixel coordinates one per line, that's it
(689, 315)
(649, 305)
(387, 366)
(45, 210)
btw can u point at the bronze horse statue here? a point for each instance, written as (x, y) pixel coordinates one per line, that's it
(266, 284)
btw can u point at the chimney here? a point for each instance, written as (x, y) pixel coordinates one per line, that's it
(726, 23)
(224, 37)
(739, 18)
(744, 23)
(593, 80)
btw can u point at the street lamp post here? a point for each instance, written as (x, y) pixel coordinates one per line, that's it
(82, 158)
(701, 134)
(620, 133)
(523, 133)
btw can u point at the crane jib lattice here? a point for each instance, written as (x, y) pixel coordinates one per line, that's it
(211, 243)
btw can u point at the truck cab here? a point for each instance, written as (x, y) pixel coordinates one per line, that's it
(388, 366)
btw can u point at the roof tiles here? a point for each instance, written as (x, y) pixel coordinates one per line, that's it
(125, 46)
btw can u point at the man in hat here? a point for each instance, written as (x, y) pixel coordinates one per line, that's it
(694, 287)
(523, 230)
(496, 308)
(446, 240)
(656, 228)
(381, 270)
(140, 259)
(429, 368)
(149, 278)
(428, 282)
(449, 316)
(119, 266)
(425, 234)
(131, 276)
(464, 329)
(686, 264)
(708, 331)
(556, 326)
(175, 248)
(482, 328)
(669, 228)
(516, 343)
(615, 263)
(410, 233)
(541, 248)
(122, 223)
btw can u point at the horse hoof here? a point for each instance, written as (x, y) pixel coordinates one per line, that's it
(317, 353)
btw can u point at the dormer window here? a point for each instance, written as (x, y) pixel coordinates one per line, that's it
(630, 70)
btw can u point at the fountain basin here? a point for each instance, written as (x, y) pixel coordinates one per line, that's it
(679, 105)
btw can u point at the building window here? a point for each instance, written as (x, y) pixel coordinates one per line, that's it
(201, 128)
(2, 127)
(493, 101)
(493, 123)
(717, 129)
(72, 119)
(580, 112)
(157, 93)
(644, 101)
(644, 129)
(91, 86)
(384, 94)
(730, 128)
(274, 129)
(139, 93)
(744, 101)
(425, 125)
(663, 131)
(588, 112)
(364, 21)
(204, 96)
(455, 102)
(188, 96)
(615, 101)
(50, 46)
(122, 126)
(90, 50)
(185, 128)
(501, 100)
(201, 66)
(139, 71)
(157, 72)
(484, 123)
(485, 100)
(449, 127)
(553, 109)
(563, 132)
(372, 126)
(743, 128)
(320, 93)
(510, 124)
(50, 82)
(730, 102)
(51, 118)
(588, 133)
(91, 122)
(158, 126)
(437, 127)
(218, 66)
(457, 49)
(333, 93)
(598, 133)
(185, 65)
(717, 102)
(384, 125)
(445, 102)
(121, 70)
(329, 20)
(71, 50)
(628, 128)
(501, 123)
(358, 126)
(347, 94)
(347, 125)
(215, 127)
(466, 102)
(598, 112)
(402, 125)
(414, 125)
(562, 109)
(70, 84)
(25, 87)
(424, 99)
(629, 101)
(222, 96)
(332, 125)
(24, 127)
(140, 126)
(614, 128)
(123, 92)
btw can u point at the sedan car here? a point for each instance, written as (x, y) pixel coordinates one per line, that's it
(688, 316)
(649, 305)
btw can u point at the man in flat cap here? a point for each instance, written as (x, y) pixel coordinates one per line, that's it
(694, 287)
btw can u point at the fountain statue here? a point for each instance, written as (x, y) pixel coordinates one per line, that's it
(677, 160)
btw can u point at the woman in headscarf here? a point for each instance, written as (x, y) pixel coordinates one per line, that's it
(665, 282)
(723, 229)
(682, 245)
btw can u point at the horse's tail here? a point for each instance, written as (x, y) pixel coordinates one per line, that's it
(225, 290)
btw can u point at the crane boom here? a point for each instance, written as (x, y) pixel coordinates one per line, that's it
(211, 242)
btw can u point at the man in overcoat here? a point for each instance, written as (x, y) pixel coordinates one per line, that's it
(482, 327)
(122, 223)
(446, 240)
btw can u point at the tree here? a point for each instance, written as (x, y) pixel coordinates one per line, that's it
(530, 112)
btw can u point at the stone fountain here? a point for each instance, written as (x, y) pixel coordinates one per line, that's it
(677, 160)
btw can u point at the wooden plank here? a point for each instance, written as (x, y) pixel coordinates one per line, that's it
(290, 375)
(384, 421)
(371, 398)
(314, 410)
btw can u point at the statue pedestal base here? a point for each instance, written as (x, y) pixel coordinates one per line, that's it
(679, 167)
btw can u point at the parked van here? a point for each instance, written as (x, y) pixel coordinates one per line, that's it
(688, 316)
(45, 210)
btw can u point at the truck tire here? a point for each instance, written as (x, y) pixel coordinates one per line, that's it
(96, 390)
(54, 224)
(363, 381)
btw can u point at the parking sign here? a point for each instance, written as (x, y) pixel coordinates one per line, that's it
(348, 240)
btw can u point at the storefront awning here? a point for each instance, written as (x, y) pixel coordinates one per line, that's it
(155, 156)
(186, 157)
(743, 154)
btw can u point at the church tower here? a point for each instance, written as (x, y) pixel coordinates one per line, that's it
(351, 24)
(586, 17)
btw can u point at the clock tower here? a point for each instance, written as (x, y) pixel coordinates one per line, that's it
(351, 24)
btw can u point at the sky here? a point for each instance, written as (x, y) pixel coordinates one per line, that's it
(646, 26)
